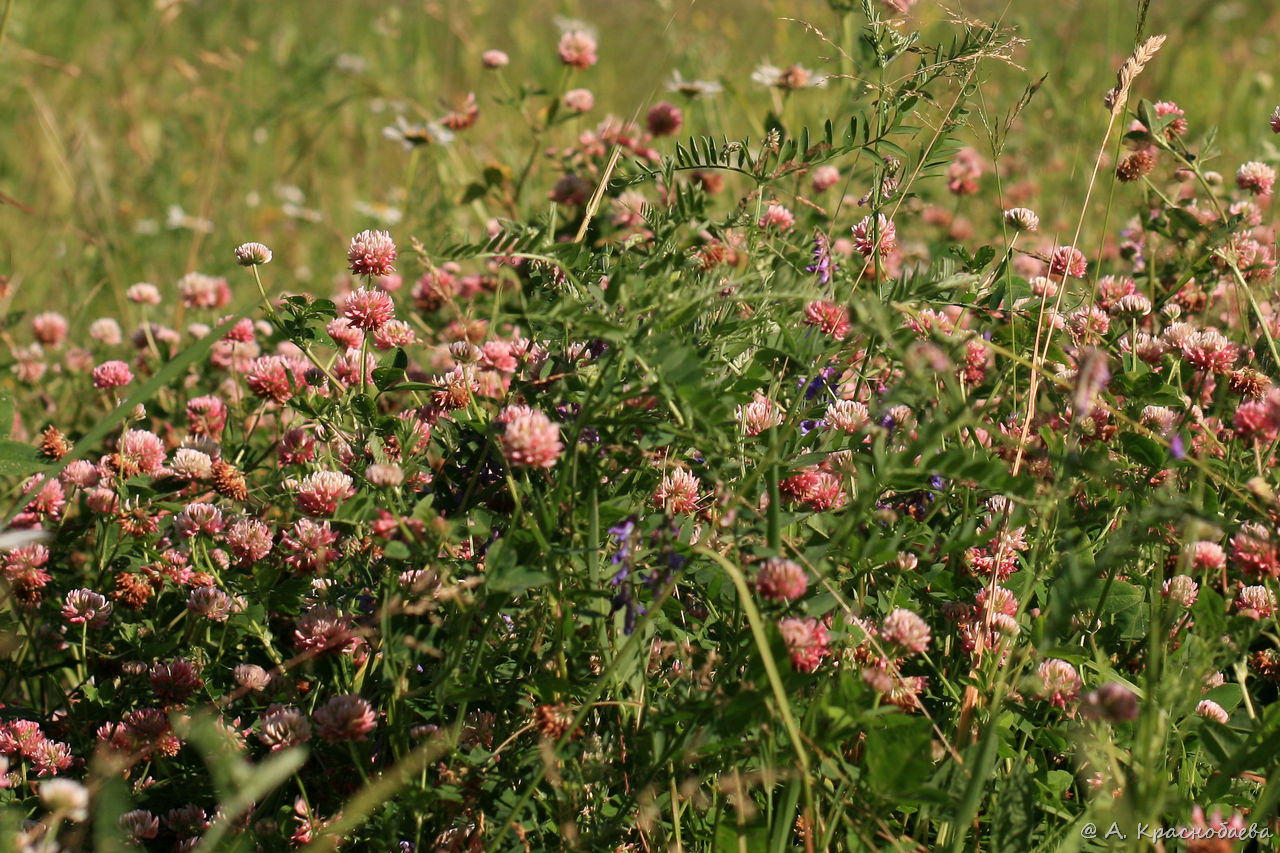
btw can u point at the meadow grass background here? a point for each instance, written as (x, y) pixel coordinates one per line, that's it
(146, 140)
(117, 112)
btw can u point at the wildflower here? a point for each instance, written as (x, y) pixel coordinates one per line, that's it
(384, 475)
(554, 721)
(283, 726)
(571, 190)
(412, 136)
(140, 452)
(965, 170)
(66, 797)
(191, 464)
(1022, 219)
(346, 717)
(1134, 306)
(174, 682)
(824, 178)
(1211, 710)
(1249, 382)
(143, 293)
(206, 416)
(906, 630)
(530, 439)
(1112, 702)
(463, 117)
(84, 606)
(106, 331)
(1176, 127)
(1067, 261)
(1255, 259)
(132, 591)
(228, 481)
(1213, 836)
(111, 374)
(818, 490)
(49, 328)
(270, 378)
(777, 217)
(678, 492)
(759, 415)
(1255, 602)
(664, 119)
(1207, 556)
(579, 100)
(577, 49)
(211, 603)
(1059, 682)
(846, 415)
(368, 308)
(788, 79)
(779, 579)
(1257, 178)
(1255, 421)
(1274, 121)
(249, 540)
(694, 88)
(1181, 589)
(1209, 350)
(822, 264)
(882, 237)
(832, 319)
(433, 290)
(806, 641)
(252, 677)
(494, 59)
(372, 254)
(139, 825)
(199, 518)
(307, 546)
(320, 629)
(320, 492)
(252, 254)
(54, 445)
(204, 291)
(1135, 166)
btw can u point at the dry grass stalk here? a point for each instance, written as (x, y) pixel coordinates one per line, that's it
(1129, 71)
(1115, 100)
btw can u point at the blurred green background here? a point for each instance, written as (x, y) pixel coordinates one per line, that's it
(145, 139)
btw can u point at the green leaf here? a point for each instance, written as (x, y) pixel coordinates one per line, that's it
(396, 550)
(20, 459)
(474, 191)
(1144, 450)
(386, 378)
(516, 580)
(1016, 815)
(6, 415)
(897, 756)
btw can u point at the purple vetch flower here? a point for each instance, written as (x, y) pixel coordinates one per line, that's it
(624, 558)
(822, 264)
(820, 382)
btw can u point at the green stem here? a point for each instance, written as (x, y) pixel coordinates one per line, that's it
(771, 670)
(4, 22)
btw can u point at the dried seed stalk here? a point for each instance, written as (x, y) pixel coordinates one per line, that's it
(1129, 71)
